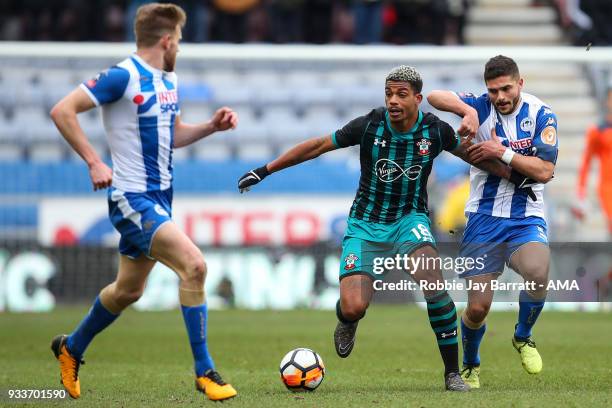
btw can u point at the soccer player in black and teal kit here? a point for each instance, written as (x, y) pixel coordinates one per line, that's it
(398, 144)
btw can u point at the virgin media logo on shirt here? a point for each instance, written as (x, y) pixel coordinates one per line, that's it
(388, 171)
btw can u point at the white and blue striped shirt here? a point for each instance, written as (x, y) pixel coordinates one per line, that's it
(530, 130)
(139, 108)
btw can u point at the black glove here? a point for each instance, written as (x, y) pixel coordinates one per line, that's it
(251, 178)
(524, 183)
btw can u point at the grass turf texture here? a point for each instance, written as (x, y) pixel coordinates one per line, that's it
(144, 359)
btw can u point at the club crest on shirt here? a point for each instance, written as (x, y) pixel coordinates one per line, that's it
(549, 135)
(349, 261)
(423, 146)
(526, 124)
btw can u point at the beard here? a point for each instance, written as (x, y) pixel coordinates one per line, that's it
(169, 62)
(510, 106)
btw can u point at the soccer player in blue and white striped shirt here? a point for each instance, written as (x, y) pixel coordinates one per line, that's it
(141, 114)
(506, 222)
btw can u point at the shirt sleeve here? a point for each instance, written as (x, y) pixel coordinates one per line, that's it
(481, 103)
(351, 133)
(449, 139)
(545, 139)
(108, 86)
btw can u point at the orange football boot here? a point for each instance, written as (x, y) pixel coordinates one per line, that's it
(214, 387)
(69, 366)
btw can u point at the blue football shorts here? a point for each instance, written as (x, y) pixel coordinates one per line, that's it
(137, 217)
(493, 240)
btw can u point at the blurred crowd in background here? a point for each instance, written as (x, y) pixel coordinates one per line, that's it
(439, 22)
(239, 21)
(585, 21)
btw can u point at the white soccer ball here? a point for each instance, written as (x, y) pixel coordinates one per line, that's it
(302, 370)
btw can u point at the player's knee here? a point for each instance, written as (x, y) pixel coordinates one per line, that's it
(195, 271)
(535, 272)
(477, 312)
(353, 309)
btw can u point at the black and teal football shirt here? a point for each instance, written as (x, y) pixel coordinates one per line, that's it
(395, 165)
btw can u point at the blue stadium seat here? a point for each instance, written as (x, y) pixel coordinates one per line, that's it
(213, 148)
(41, 131)
(363, 95)
(322, 120)
(194, 92)
(277, 106)
(11, 150)
(279, 115)
(18, 216)
(354, 111)
(194, 112)
(277, 95)
(260, 79)
(32, 114)
(301, 79)
(10, 131)
(345, 78)
(320, 95)
(230, 96)
(47, 152)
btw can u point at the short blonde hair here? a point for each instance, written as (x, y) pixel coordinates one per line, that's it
(405, 73)
(153, 20)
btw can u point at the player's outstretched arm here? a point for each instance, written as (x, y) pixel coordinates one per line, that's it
(448, 101)
(302, 152)
(64, 115)
(186, 133)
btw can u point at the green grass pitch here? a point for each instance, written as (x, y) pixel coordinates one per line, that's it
(144, 360)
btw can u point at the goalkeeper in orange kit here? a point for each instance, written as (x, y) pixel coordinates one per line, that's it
(599, 145)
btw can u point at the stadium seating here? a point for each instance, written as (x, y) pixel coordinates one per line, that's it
(278, 105)
(514, 22)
